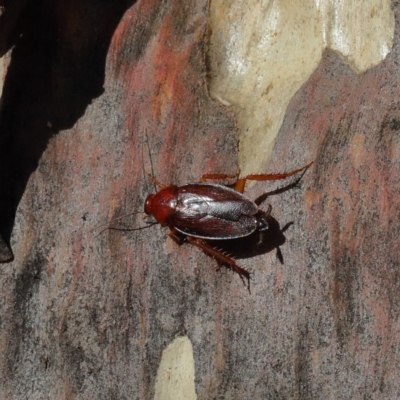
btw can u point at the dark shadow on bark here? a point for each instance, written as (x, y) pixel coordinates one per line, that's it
(258, 243)
(56, 70)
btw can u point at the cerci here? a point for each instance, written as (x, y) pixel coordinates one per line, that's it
(198, 212)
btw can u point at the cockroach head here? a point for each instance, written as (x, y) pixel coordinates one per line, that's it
(148, 205)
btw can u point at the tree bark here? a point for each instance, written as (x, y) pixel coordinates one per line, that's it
(97, 96)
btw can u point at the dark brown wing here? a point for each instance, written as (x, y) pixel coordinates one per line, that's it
(214, 212)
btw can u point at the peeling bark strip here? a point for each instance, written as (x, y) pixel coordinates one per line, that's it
(90, 317)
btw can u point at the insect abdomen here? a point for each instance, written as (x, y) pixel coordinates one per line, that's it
(214, 212)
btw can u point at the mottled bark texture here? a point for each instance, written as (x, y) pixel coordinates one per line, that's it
(89, 84)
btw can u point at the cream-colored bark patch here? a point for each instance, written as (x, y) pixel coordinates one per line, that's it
(4, 63)
(175, 376)
(2, 74)
(262, 51)
(361, 31)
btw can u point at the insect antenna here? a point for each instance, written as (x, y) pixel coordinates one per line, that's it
(113, 228)
(151, 164)
(107, 227)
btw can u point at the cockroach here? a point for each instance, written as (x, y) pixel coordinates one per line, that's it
(199, 212)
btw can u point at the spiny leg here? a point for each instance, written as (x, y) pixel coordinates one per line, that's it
(221, 258)
(260, 199)
(241, 183)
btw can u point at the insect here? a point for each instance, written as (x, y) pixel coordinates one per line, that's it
(200, 212)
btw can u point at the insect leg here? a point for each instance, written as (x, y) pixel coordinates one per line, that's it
(240, 184)
(269, 209)
(221, 258)
(279, 255)
(177, 237)
(160, 185)
(206, 177)
(263, 197)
